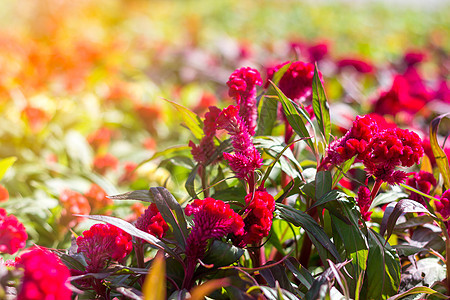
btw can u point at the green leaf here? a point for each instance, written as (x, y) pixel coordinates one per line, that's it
(439, 154)
(276, 273)
(5, 164)
(323, 183)
(268, 111)
(419, 290)
(170, 152)
(330, 196)
(407, 250)
(315, 232)
(387, 197)
(192, 121)
(293, 117)
(383, 269)
(302, 274)
(320, 106)
(343, 169)
(222, 254)
(190, 182)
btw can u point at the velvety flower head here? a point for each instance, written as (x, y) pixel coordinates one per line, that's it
(364, 201)
(213, 219)
(101, 243)
(413, 57)
(97, 197)
(443, 206)
(442, 93)
(317, 52)
(242, 87)
(422, 181)
(358, 65)
(258, 218)
(246, 158)
(103, 163)
(391, 148)
(152, 222)
(204, 151)
(12, 233)
(73, 203)
(45, 276)
(296, 83)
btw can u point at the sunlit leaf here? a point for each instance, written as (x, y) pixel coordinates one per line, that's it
(154, 287)
(5, 164)
(320, 106)
(191, 120)
(439, 154)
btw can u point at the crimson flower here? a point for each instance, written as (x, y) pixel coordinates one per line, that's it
(358, 65)
(364, 201)
(45, 276)
(246, 158)
(97, 197)
(101, 243)
(242, 87)
(152, 222)
(443, 208)
(103, 163)
(4, 195)
(421, 181)
(257, 218)
(73, 203)
(12, 233)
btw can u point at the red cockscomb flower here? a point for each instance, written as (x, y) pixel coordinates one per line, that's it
(97, 197)
(364, 201)
(103, 163)
(12, 233)
(100, 138)
(45, 276)
(73, 203)
(4, 195)
(101, 243)
(152, 222)
(242, 87)
(358, 65)
(258, 218)
(443, 208)
(421, 181)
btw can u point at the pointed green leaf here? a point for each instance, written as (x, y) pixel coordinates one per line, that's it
(268, 111)
(439, 154)
(192, 121)
(320, 106)
(323, 183)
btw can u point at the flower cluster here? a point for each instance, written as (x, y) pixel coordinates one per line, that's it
(364, 201)
(443, 208)
(380, 149)
(152, 222)
(4, 194)
(100, 138)
(258, 218)
(204, 151)
(213, 219)
(358, 65)
(97, 197)
(242, 87)
(296, 82)
(73, 203)
(246, 158)
(103, 163)
(101, 243)
(12, 233)
(422, 181)
(45, 276)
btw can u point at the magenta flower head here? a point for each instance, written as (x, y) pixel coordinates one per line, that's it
(152, 222)
(203, 152)
(364, 201)
(358, 65)
(242, 87)
(213, 219)
(422, 181)
(246, 158)
(101, 243)
(45, 276)
(391, 148)
(258, 218)
(12, 233)
(296, 83)
(443, 208)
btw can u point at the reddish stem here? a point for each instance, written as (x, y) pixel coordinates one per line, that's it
(376, 188)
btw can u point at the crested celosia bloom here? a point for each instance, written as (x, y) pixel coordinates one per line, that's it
(152, 222)
(364, 201)
(97, 197)
(412, 58)
(103, 163)
(296, 82)
(45, 276)
(73, 203)
(100, 138)
(246, 158)
(213, 219)
(12, 233)
(317, 52)
(356, 64)
(102, 243)
(149, 115)
(380, 149)
(204, 151)
(129, 172)
(257, 218)
(242, 87)
(443, 208)
(4, 195)
(422, 181)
